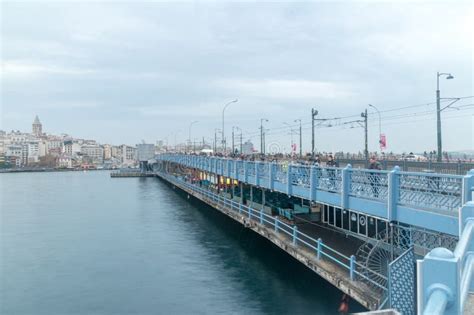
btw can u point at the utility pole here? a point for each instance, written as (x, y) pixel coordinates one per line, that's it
(366, 133)
(262, 136)
(439, 152)
(301, 139)
(223, 135)
(233, 150)
(314, 112)
(241, 141)
(215, 140)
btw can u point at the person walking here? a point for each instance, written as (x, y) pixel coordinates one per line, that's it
(331, 165)
(374, 176)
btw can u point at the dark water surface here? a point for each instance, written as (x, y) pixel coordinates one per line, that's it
(83, 243)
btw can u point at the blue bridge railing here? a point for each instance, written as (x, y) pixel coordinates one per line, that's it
(421, 199)
(355, 270)
(445, 277)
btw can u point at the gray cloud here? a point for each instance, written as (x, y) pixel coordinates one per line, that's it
(121, 72)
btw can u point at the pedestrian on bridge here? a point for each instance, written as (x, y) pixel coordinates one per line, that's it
(374, 177)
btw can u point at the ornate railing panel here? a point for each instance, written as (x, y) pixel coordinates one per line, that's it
(401, 283)
(300, 175)
(251, 168)
(430, 191)
(329, 179)
(262, 170)
(371, 184)
(240, 167)
(281, 175)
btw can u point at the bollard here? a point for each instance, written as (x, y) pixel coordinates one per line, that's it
(319, 248)
(352, 265)
(295, 232)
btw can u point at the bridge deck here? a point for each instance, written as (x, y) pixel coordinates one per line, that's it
(324, 267)
(425, 200)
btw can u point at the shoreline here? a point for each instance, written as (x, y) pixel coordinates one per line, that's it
(49, 170)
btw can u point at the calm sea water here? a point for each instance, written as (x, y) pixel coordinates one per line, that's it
(84, 243)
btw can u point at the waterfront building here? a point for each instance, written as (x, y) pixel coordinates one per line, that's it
(64, 161)
(94, 152)
(32, 151)
(107, 151)
(247, 148)
(145, 152)
(128, 155)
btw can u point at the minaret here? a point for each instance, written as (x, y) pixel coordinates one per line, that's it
(37, 127)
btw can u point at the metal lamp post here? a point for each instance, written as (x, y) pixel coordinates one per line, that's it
(301, 139)
(314, 113)
(223, 110)
(190, 125)
(380, 126)
(262, 136)
(449, 76)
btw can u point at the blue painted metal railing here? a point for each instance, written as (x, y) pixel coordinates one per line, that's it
(422, 199)
(445, 278)
(355, 270)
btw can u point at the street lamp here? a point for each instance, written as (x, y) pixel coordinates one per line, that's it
(223, 110)
(449, 76)
(301, 139)
(380, 126)
(190, 125)
(262, 137)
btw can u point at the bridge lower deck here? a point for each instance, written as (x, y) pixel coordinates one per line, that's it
(324, 267)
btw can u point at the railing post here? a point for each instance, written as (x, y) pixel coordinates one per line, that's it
(288, 180)
(261, 216)
(250, 212)
(271, 175)
(295, 234)
(236, 173)
(438, 277)
(393, 193)
(319, 247)
(313, 182)
(276, 224)
(257, 173)
(228, 168)
(240, 208)
(246, 172)
(467, 186)
(345, 186)
(352, 266)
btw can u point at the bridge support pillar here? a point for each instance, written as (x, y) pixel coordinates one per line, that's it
(313, 183)
(271, 175)
(346, 186)
(438, 282)
(288, 181)
(467, 186)
(393, 193)
(257, 173)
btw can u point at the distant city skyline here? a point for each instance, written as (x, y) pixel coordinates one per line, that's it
(123, 72)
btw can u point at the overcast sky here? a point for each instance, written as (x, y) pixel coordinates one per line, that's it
(120, 72)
